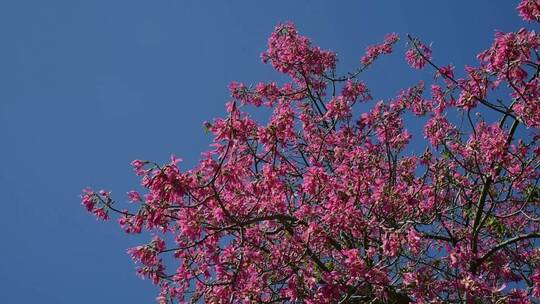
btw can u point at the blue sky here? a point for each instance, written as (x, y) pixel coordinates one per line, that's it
(88, 86)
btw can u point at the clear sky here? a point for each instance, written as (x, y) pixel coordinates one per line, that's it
(88, 86)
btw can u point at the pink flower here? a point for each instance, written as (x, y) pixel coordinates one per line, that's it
(374, 51)
(138, 166)
(391, 244)
(134, 196)
(131, 224)
(417, 54)
(414, 240)
(291, 53)
(95, 203)
(88, 199)
(354, 90)
(535, 278)
(438, 130)
(529, 10)
(101, 213)
(314, 180)
(338, 108)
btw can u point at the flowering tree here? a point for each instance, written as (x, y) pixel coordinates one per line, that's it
(326, 205)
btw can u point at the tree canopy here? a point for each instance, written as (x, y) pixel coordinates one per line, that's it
(327, 204)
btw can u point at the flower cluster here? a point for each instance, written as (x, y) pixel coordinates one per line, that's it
(374, 51)
(96, 203)
(293, 54)
(529, 10)
(418, 54)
